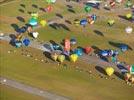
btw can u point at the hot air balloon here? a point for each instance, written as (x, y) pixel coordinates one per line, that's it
(61, 58)
(77, 22)
(127, 76)
(33, 22)
(34, 15)
(49, 8)
(73, 41)
(123, 47)
(54, 56)
(18, 44)
(94, 17)
(112, 3)
(111, 22)
(131, 69)
(88, 8)
(87, 50)
(119, 1)
(83, 22)
(129, 30)
(78, 51)
(73, 57)
(109, 71)
(35, 34)
(50, 1)
(129, 3)
(43, 22)
(129, 16)
(26, 42)
(67, 45)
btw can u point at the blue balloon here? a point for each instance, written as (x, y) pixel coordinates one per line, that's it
(83, 22)
(73, 41)
(18, 44)
(94, 17)
(78, 51)
(26, 42)
(124, 47)
(104, 53)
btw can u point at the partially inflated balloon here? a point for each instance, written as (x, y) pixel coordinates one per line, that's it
(109, 71)
(43, 22)
(54, 56)
(61, 58)
(74, 57)
(129, 15)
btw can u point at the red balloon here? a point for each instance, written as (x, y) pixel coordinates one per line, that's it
(49, 8)
(88, 50)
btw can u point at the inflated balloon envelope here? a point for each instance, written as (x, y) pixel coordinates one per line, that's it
(109, 71)
(35, 34)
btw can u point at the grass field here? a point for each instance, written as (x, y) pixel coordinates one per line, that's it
(71, 82)
(7, 93)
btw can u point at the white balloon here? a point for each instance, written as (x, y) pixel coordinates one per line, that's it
(119, 1)
(53, 1)
(35, 34)
(129, 29)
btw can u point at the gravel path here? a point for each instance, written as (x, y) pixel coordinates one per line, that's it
(85, 58)
(29, 89)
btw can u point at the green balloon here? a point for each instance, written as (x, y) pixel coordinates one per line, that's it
(88, 8)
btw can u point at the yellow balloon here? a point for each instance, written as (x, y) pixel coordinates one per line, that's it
(54, 56)
(61, 58)
(43, 22)
(109, 71)
(74, 57)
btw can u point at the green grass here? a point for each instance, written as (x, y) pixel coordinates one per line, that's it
(69, 82)
(8, 93)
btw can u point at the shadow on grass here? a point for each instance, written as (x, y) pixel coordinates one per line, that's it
(117, 45)
(98, 33)
(21, 19)
(100, 70)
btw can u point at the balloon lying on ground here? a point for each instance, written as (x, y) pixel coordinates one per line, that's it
(35, 34)
(61, 58)
(119, 1)
(33, 22)
(131, 69)
(18, 44)
(77, 22)
(123, 47)
(43, 23)
(127, 76)
(129, 30)
(109, 71)
(73, 57)
(26, 42)
(112, 3)
(54, 56)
